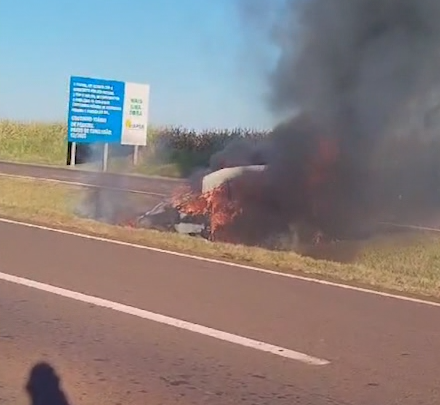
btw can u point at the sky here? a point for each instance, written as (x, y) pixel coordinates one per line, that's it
(192, 53)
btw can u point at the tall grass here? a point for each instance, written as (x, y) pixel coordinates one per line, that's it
(170, 151)
(33, 142)
(177, 151)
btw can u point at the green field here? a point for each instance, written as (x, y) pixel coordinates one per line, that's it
(33, 142)
(171, 152)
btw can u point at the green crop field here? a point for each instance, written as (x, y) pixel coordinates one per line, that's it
(171, 151)
(176, 151)
(33, 142)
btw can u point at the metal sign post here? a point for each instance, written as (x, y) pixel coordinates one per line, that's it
(73, 154)
(105, 158)
(136, 155)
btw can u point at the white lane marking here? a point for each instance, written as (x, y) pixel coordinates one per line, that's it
(223, 263)
(408, 226)
(177, 323)
(86, 170)
(79, 184)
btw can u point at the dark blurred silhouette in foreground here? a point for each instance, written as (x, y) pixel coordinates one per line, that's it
(43, 386)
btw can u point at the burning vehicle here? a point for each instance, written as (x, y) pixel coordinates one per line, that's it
(206, 210)
(241, 204)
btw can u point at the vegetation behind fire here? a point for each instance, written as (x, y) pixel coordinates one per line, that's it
(171, 151)
(176, 151)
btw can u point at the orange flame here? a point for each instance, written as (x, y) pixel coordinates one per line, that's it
(216, 204)
(221, 210)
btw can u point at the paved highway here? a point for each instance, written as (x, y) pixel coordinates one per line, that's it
(125, 325)
(151, 185)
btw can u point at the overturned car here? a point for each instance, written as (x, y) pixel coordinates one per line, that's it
(232, 205)
(202, 209)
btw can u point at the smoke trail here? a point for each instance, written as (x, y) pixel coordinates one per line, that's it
(102, 204)
(366, 75)
(356, 61)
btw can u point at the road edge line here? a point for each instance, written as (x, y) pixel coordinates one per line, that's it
(83, 185)
(167, 320)
(222, 263)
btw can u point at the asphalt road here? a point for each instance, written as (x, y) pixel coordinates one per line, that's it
(381, 350)
(161, 186)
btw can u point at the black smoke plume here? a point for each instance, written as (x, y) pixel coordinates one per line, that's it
(362, 76)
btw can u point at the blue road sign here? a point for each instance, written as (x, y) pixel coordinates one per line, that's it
(107, 111)
(95, 110)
